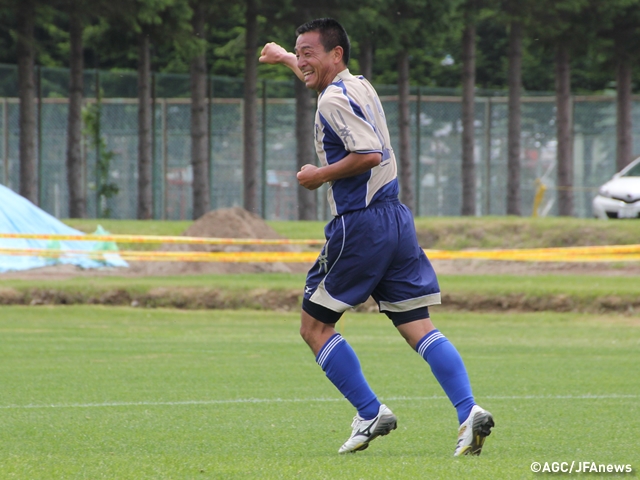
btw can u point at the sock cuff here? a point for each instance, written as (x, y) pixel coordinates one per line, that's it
(430, 340)
(327, 348)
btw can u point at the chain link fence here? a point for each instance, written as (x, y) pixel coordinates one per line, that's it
(436, 145)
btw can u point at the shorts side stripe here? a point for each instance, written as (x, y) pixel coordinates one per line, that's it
(324, 298)
(321, 291)
(344, 240)
(411, 304)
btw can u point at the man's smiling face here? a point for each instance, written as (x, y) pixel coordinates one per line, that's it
(319, 67)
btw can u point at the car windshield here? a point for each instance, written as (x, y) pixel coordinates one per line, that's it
(634, 172)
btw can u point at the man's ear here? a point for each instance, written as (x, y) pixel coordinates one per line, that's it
(338, 53)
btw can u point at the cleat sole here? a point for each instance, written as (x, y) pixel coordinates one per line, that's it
(482, 426)
(385, 425)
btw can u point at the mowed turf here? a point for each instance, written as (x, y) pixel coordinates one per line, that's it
(95, 392)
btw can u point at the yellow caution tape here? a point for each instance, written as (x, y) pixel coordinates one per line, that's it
(514, 256)
(541, 254)
(138, 256)
(163, 239)
(604, 253)
(578, 254)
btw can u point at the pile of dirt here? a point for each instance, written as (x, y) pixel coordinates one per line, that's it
(223, 223)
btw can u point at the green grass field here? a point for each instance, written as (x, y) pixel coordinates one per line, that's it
(96, 392)
(577, 286)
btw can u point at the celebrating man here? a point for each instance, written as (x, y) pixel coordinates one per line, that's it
(371, 247)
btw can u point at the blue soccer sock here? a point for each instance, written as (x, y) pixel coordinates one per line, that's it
(448, 368)
(342, 367)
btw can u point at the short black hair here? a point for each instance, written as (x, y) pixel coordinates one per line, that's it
(332, 34)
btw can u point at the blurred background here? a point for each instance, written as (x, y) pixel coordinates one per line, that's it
(159, 108)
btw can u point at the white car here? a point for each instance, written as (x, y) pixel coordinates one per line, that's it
(620, 196)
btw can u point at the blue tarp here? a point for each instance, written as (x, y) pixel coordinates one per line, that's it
(19, 215)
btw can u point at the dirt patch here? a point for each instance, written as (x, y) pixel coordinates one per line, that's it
(290, 300)
(182, 298)
(527, 303)
(10, 296)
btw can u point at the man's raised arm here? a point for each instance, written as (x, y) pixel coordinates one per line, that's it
(274, 54)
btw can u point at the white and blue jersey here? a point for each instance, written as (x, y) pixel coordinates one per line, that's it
(350, 119)
(372, 247)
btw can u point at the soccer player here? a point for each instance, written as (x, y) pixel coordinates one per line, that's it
(371, 245)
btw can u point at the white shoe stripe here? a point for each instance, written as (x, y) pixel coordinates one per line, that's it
(328, 349)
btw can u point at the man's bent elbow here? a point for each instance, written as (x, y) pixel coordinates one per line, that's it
(373, 159)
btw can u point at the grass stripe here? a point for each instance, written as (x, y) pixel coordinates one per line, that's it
(309, 400)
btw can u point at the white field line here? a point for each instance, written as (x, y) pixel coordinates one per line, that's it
(306, 400)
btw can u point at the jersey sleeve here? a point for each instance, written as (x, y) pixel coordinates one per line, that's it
(348, 122)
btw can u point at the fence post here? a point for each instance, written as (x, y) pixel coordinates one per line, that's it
(164, 159)
(97, 143)
(83, 157)
(487, 156)
(39, 122)
(5, 143)
(572, 133)
(264, 149)
(210, 140)
(154, 168)
(437, 181)
(581, 194)
(417, 179)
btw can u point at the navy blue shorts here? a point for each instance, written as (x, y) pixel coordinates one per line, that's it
(372, 252)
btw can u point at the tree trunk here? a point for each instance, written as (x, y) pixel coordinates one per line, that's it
(623, 127)
(250, 163)
(145, 200)
(468, 104)
(199, 124)
(406, 170)
(563, 124)
(77, 198)
(366, 58)
(26, 59)
(304, 149)
(513, 141)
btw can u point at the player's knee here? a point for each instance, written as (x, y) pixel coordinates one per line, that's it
(313, 331)
(305, 332)
(310, 332)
